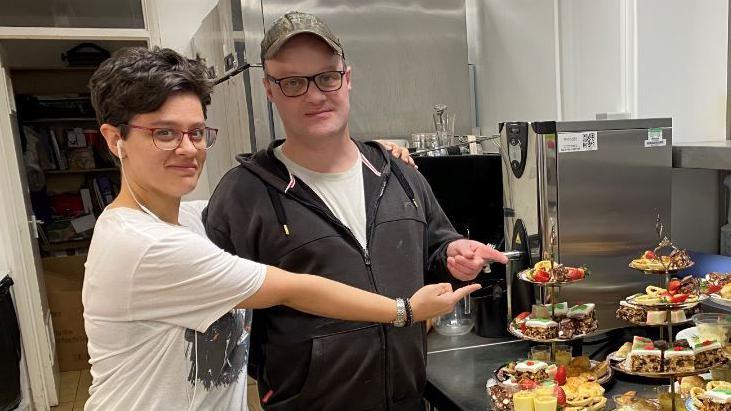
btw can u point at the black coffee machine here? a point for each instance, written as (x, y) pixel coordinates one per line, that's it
(470, 190)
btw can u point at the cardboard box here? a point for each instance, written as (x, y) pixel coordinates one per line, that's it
(64, 278)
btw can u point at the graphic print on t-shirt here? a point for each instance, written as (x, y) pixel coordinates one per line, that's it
(222, 351)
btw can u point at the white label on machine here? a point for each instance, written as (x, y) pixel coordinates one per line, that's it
(654, 138)
(573, 142)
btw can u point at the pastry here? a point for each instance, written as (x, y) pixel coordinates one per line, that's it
(623, 351)
(708, 354)
(725, 291)
(644, 356)
(629, 401)
(539, 311)
(677, 316)
(679, 259)
(717, 399)
(584, 396)
(631, 313)
(583, 317)
(534, 370)
(656, 317)
(502, 397)
(541, 328)
(687, 383)
(678, 359)
(559, 311)
(688, 285)
(719, 278)
(566, 329)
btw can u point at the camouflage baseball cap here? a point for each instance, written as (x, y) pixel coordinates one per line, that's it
(292, 24)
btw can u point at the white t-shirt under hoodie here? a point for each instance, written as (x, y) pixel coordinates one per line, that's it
(159, 314)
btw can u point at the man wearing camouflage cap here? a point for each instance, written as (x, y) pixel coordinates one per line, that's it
(323, 203)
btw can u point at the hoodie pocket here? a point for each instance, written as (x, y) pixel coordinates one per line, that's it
(346, 372)
(407, 364)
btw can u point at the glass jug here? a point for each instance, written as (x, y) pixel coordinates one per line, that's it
(457, 322)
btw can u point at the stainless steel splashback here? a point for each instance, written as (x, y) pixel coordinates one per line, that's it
(603, 196)
(406, 57)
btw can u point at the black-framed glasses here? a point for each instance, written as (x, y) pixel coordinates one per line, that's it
(169, 139)
(296, 86)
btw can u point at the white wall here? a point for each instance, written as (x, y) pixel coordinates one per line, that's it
(682, 53)
(650, 58)
(514, 50)
(592, 58)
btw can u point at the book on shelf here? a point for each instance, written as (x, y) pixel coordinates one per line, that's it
(58, 154)
(86, 199)
(97, 195)
(105, 188)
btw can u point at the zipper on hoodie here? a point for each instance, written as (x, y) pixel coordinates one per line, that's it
(354, 241)
(369, 237)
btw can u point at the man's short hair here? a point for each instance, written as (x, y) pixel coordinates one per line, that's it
(137, 80)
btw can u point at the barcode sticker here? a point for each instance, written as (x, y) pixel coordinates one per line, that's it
(574, 142)
(654, 138)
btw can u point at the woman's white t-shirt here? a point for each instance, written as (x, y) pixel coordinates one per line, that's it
(159, 314)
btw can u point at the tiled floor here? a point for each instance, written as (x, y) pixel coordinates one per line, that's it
(75, 391)
(252, 396)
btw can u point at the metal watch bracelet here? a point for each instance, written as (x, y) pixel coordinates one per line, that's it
(401, 316)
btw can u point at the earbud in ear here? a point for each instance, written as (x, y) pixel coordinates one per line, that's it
(119, 149)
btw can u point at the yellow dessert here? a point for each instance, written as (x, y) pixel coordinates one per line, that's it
(545, 403)
(523, 401)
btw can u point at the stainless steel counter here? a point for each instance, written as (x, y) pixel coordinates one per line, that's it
(711, 155)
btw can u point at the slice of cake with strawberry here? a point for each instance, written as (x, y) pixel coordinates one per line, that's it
(644, 356)
(531, 369)
(678, 358)
(708, 353)
(541, 328)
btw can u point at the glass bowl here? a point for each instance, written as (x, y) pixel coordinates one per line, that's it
(713, 326)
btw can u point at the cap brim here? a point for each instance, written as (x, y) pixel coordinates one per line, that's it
(274, 48)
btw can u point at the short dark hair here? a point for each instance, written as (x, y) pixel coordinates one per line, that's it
(137, 80)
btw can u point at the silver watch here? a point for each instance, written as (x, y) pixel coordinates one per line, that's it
(400, 320)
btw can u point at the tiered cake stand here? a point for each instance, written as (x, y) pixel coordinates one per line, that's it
(663, 275)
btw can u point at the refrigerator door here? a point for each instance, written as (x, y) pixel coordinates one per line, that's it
(609, 194)
(262, 126)
(229, 112)
(406, 56)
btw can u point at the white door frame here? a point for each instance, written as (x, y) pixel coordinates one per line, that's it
(15, 234)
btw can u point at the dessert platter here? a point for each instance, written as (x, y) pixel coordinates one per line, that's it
(718, 287)
(546, 273)
(574, 394)
(554, 322)
(652, 263)
(590, 370)
(660, 359)
(671, 301)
